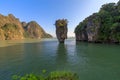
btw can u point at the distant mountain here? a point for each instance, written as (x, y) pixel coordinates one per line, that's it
(103, 26)
(12, 29)
(34, 30)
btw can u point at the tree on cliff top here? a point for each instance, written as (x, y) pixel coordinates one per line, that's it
(61, 22)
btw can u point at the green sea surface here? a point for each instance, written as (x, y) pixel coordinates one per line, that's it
(90, 61)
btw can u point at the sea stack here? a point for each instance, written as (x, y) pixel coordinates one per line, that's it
(61, 29)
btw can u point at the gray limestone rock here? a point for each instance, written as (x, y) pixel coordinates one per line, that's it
(61, 29)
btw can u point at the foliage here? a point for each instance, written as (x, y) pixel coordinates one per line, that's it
(26, 34)
(62, 75)
(12, 31)
(10, 26)
(34, 30)
(61, 22)
(109, 19)
(57, 75)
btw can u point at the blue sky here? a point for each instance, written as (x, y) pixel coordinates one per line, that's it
(45, 12)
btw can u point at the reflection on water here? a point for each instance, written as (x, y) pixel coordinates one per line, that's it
(61, 55)
(96, 61)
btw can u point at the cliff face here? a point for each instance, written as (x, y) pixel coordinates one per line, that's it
(103, 26)
(88, 29)
(34, 30)
(12, 29)
(2, 37)
(61, 30)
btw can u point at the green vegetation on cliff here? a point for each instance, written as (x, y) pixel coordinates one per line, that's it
(11, 29)
(34, 30)
(61, 22)
(103, 26)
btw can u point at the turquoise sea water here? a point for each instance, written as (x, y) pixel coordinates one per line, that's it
(90, 61)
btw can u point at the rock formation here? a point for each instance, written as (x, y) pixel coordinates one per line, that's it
(102, 27)
(88, 29)
(61, 29)
(34, 30)
(12, 29)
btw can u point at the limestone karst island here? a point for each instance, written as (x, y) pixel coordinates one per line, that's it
(12, 29)
(61, 30)
(101, 27)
